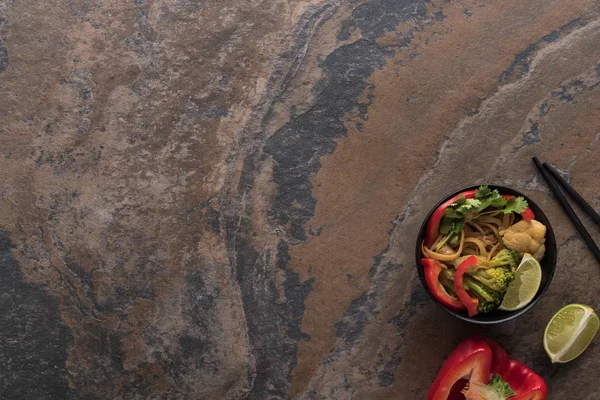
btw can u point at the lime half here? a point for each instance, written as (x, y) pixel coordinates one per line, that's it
(523, 288)
(569, 332)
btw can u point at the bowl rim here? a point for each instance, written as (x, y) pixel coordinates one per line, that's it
(507, 315)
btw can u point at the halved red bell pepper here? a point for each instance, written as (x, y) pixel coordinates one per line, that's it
(470, 302)
(484, 366)
(433, 225)
(432, 269)
(527, 215)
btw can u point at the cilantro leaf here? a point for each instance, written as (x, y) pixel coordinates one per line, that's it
(488, 197)
(458, 225)
(483, 192)
(446, 225)
(515, 204)
(452, 213)
(499, 202)
(471, 205)
(462, 206)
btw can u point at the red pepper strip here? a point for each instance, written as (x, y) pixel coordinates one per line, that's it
(470, 302)
(433, 225)
(472, 359)
(527, 384)
(432, 269)
(527, 214)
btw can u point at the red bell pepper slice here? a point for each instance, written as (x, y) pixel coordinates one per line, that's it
(469, 302)
(527, 215)
(432, 269)
(475, 361)
(433, 225)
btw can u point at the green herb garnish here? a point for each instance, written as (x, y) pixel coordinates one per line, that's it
(464, 210)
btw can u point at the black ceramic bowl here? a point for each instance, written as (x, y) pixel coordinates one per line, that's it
(548, 263)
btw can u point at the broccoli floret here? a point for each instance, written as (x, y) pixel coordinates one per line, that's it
(489, 299)
(489, 282)
(504, 258)
(460, 260)
(497, 279)
(498, 273)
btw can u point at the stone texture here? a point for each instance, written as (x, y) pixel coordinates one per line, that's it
(219, 200)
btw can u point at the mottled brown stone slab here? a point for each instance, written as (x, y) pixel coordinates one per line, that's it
(219, 200)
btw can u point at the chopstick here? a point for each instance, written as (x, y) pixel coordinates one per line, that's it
(584, 204)
(567, 207)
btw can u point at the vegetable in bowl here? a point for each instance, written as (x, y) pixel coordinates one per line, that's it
(472, 246)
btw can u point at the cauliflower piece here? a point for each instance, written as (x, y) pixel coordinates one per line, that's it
(526, 237)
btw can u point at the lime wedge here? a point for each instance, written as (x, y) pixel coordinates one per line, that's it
(523, 288)
(569, 332)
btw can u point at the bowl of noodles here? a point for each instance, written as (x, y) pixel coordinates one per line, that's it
(472, 243)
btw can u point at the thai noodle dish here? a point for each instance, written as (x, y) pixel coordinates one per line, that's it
(474, 243)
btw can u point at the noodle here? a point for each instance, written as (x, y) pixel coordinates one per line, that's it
(476, 226)
(480, 245)
(492, 251)
(506, 220)
(489, 219)
(445, 257)
(492, 227)
(471, 248)
(474, 234)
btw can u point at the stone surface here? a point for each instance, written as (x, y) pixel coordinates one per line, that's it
(219, 200)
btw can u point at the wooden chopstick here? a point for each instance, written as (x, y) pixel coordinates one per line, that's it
(584, 204)
(567, 207)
